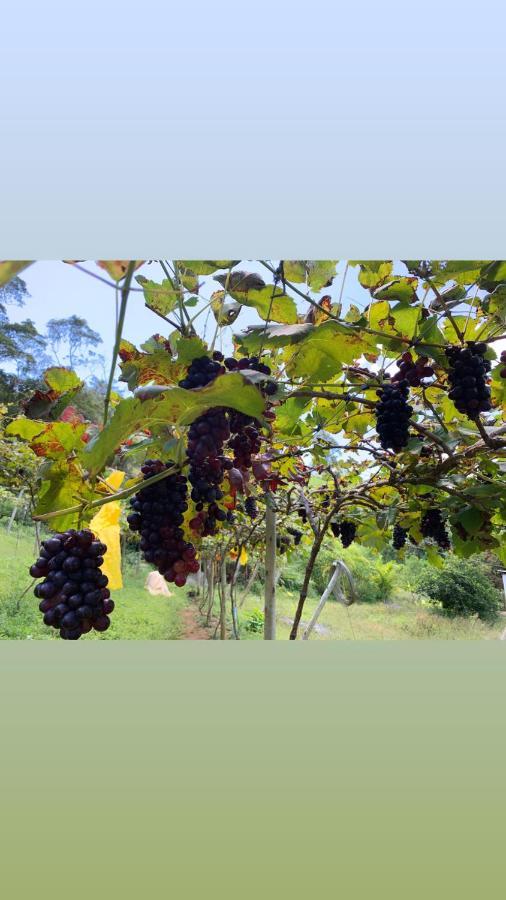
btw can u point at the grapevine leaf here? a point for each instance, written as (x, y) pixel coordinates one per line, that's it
(171, 405)
(10, 268)
(325, 350)
(373, 273)
(161, 298)
(273, 336)
(406, 319)
(224, 312)
(295, 271)
(270, 303)
(207, 267)
(496, 302)
(402, 290)
(117, 268)
(155, 365)
(471, 518)
(50, 439)
(320, 273)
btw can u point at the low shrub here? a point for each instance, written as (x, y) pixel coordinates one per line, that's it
(463, 588)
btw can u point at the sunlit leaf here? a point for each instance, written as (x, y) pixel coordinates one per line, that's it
(173, 405)
(117, 268)
(320, 273)
(10, 268)
(207, 267)
(161, 298)
(270, 303)
(324, 351)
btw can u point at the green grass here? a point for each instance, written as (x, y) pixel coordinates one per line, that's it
(140, 616)
(404, 618)
(137, 615)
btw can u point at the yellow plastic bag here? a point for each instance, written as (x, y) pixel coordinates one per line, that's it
(105, 524)
(243, 559)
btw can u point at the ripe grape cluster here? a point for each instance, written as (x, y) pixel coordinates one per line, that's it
(206, 439)
(282, 543)
(433, 526)
(302, 513)
(412, 371)
(250, 507)
(202, 370)
(468, 378)
(502, 373)
(73, 596)
(346, 530)
(215, 430)
(296, 534)
(393, 413)
(246, 439)
(252, 362)
(158, 514)
(399, 537)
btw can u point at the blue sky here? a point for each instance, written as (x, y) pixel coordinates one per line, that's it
(59, 290)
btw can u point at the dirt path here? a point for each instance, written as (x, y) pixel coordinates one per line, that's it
(193, 628)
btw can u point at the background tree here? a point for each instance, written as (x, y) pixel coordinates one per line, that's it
(20, 342)
(71, 342)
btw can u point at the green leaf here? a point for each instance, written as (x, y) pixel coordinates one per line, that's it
(295, 271)
(430, 332)
(320, 272)
(62, 487)
(161, 298)
(373, 273)
(273, 336)
(402, 290)
(433, 557)
(288, 415)
(171, 405)
(498, 386)
(207, 267)
(224, 312)
(26, 429)
(406, 319)
(50, 439)
(461, 271)
(270, 303)
(494, 272)
(10, 268)
(156, 365)
(325, 350)
(62, 380)
(189, 348)
(471, 518)
(378, 314)
(496, 302)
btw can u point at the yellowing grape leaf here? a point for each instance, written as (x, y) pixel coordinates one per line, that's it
(117, 268)
(10, 268)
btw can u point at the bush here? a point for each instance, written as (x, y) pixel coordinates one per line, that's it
(463, 588)
(255, 621)
(374, 579)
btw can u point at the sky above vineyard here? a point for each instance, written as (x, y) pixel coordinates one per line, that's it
(58, 291)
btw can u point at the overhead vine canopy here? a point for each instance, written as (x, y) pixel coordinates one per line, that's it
(384, 413)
